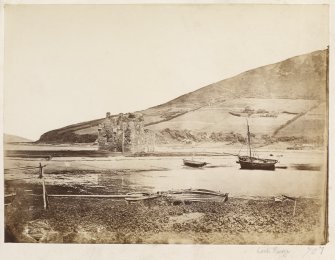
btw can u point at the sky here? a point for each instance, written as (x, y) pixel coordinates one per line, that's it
(66, 64)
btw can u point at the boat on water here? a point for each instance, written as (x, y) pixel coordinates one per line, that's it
(248, 162)
(192, 163)
(254, 163)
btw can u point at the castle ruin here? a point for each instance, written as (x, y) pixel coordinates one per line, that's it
(125, 133)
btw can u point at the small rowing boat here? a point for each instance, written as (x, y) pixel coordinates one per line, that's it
(192, 163)
(139, 196)
(196, 195)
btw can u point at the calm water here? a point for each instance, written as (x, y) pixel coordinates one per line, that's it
(118, 174)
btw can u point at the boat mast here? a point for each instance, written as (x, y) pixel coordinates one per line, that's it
(249, 139)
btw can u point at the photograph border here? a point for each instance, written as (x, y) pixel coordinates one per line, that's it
(122, 251)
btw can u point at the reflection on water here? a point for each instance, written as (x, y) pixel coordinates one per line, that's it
(234, 181)
(120, 174)
(307, 167)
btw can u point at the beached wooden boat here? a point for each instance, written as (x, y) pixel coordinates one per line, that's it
(196, 195)
(254, 163)
(140, 196)
(192, 163)
(197, 191)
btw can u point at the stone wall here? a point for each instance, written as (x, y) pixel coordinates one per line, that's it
(125, 133)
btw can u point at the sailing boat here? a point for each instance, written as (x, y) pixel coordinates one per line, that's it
(249, 162)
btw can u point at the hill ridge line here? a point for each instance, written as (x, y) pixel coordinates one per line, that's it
(236, 75)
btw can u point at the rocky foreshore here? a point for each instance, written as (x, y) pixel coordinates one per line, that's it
(236, 221)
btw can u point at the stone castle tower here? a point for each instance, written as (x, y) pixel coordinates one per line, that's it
(125, 133)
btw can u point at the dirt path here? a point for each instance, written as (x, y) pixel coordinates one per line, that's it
(173, 117)
(294, 119)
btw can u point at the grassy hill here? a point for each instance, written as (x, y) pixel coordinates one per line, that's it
(224, 117)
(272, 95)
(7, 138)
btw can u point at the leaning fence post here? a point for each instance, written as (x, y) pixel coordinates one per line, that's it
(41, 171)
(45, 196)
(295, 205)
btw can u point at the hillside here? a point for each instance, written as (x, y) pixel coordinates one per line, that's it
(272, 95)
(7, 138)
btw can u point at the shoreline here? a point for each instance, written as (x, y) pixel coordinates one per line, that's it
(237, 221)
(243, 219)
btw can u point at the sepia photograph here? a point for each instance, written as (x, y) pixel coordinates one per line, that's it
(166, 124)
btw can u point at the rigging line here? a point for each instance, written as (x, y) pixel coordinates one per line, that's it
(240, 149)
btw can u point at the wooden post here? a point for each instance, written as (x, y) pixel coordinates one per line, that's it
(122, 138)
(295, 205)
(41, 171)
(45, 196)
